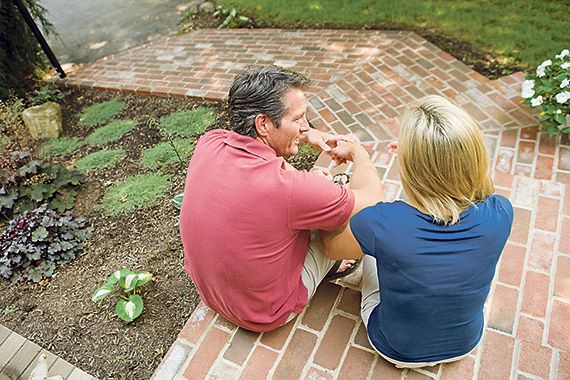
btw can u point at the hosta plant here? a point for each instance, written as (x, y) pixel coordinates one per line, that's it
(25, 184)
(125, 285)
(549, 89)
(177, 200)
(35, 244)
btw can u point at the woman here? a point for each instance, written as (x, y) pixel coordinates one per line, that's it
(430, 259)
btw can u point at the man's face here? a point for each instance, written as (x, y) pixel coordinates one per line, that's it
(285, 139)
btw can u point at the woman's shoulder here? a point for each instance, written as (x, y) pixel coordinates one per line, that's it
(499, 202)
(384, 210)
(494, 209)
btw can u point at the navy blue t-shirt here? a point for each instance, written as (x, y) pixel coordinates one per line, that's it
(434, 279)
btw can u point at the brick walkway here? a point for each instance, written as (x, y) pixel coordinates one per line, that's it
(363, 79)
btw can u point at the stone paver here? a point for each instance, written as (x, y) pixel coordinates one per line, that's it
(362, 83)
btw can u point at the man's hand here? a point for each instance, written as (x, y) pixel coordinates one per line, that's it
(323, 141)
(343, 152)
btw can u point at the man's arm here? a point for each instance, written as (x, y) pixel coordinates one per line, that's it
(367, 189)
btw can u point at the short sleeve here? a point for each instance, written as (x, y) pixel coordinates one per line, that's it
(506, 206)
(361, 226)
(317, 203)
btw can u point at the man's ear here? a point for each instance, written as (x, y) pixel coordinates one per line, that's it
(262, 125)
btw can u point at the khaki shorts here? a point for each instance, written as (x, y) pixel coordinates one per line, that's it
(315, 268)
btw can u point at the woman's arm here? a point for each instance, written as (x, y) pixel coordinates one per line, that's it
(367, 189)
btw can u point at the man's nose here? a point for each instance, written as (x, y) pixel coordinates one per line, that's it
(304, 125)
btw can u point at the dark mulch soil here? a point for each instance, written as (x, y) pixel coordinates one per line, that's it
(60, 315)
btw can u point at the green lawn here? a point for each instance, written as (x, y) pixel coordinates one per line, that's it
(523, 32)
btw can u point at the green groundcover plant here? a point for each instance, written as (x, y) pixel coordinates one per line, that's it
(99, 160)
(60, 146)
(130, 305)
(101, 113)
(188, 123)
(111, 132)
(549, 88)
(33, 245)
(165, 153)
(141, 191)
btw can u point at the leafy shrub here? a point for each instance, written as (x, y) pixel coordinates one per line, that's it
(10, 122)
(25, 184)
(60, 147)
(46, 93)
(305, 158)
(231, 18)
(101, 113)
(130, 304)
(32, 246)
(100, 159)
(136, 192)
(549, 89)
(164, 154)
(10, 111)
(20, 53)
(111, 132)
(188, 123)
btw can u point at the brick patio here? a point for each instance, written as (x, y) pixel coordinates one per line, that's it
(363, 79)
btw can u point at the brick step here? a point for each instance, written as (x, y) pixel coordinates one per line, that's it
(363, 80)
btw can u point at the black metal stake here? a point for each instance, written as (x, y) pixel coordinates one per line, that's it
(39, 37)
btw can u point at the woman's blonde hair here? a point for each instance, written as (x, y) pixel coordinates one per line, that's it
(443, 159)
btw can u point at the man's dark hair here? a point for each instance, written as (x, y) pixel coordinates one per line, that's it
(260, 90)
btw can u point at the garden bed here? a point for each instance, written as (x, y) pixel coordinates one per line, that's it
(58, 314)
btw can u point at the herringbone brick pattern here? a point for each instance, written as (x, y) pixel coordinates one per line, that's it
(363, 81)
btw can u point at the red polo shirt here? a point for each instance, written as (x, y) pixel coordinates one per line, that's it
(245, 224)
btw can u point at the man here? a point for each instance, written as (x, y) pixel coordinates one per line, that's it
(247, 216)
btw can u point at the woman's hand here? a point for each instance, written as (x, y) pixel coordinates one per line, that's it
(393, 147)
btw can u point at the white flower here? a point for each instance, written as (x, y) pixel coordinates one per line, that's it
(527, 93)
(558, 112)
(540, 69)
(528, 85)
(563, 54)
(563, 97)
(536, 101)
(565, 65)
(564, 83)
(527, 89)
